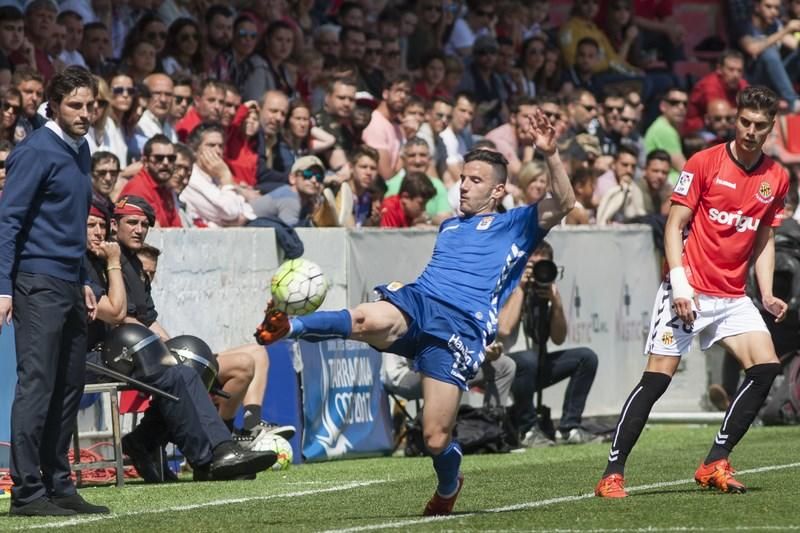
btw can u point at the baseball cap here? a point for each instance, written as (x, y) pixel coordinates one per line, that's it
(306, 162)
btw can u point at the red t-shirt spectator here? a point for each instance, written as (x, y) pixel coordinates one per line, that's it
(709, 88)
(393, 215)
(421, 90)
(189, 122)
(240, 153)
(160, 197)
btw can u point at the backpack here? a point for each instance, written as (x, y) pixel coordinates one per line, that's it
(478, 430)
(782, 406)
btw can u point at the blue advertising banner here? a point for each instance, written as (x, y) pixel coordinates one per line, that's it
(346, 410)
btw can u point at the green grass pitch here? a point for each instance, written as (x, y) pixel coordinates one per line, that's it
(537, 490)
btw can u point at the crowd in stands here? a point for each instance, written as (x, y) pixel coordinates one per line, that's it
(358, 113)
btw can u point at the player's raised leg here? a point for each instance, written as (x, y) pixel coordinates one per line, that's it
(438, 419)
(634, 415)
(756, 353)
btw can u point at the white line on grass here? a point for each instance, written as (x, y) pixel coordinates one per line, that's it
(541, 503)
(201, 505)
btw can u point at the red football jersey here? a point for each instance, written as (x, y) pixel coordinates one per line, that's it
(729, 204)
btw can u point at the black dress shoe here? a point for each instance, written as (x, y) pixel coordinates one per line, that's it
(147, 468)
(79, 505)
(202, 474)
(39, 507)
(231, 461)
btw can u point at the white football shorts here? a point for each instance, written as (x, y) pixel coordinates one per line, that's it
(716, 319)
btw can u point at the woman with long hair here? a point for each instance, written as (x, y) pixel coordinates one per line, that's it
(183, 54)
(531, 63)
(302, 137)
(431, 83)
(139, 59)
(427, 36)
(98, 135)
(11, 109)
(271, 73)
(119, 124)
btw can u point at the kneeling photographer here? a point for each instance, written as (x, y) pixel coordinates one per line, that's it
(536, 303)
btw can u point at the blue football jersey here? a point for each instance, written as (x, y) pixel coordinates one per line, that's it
(477, 261)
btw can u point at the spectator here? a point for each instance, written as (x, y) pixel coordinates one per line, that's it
(139, 59)
(271, 72)
(358, 190)
(427, 38)
(218, 37)
(391, 58)
(584, 181)
(538, 307)
(656, 190)
(11, 107)
(152, 182)
(40, 17)
(274, 155)
(623, 33)
(722, 84)
(326, 40)
(623, 200)
(405, 209)
(354, 41)
(30, 84)
(457, 136)
(119, 125)
(370, 76)
(351, 14)
(98, 137)
(207, 108)
(96, 47)
(148, 256)
(438, 113)
(662, 35)
(552, 78)
(582, 73)
(73, 25)
(211, 196)
(531, 62)
(150, 28)
(311, 78)
(105, 171)
(629, 131)
(155, 119)
(55, 44)
(412, 117)
(763, 40)
(12, 33)
(482, 81)
(720, 120)
(182, 170)
(241, 147)
(453, 72)
(581, 114)
(664, 132)
(513, 139)
(230, 105)
(301, 136)
(416, 159)
(237, 62)
(183, 54)
(532, 183)
(181, 100)
(467, 29)
(609, 134)
(336, 116)
(383, 133)
(295, 202)
(5, 149)
(505, 67)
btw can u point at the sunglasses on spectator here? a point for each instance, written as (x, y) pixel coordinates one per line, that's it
(250, 34)
(443, 116)
(674, 103)
(188, 37)
(6, 106)
(165, 158)
(183, 168)
(552, 117)
(119, 91)
(589, 108)
(611, 108)
(181, 99)
(110, 173)
(313, 173)
(628, 120)
(728, 119)
(152, 35)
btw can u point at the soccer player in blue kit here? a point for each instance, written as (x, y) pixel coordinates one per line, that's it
(445, 319)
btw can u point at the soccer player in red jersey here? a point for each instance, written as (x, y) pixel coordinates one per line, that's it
(724, 207)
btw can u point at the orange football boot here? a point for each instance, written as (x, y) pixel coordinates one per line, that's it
(274, 327)
(718, 474)
(611, 486)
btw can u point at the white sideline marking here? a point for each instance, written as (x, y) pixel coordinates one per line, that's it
(213, 503)
(551, 501)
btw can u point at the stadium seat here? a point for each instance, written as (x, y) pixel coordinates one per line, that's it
(112, 389)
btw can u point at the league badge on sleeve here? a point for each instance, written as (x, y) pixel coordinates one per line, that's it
(684, 181)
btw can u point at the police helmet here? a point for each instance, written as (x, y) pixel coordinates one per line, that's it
(195, 353)
(134, 350)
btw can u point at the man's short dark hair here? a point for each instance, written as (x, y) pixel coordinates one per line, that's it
(346, 80)
(759, 98)
(658, 155)
(183, 81)
(391, 81)
(466, 95)
(25, 73)
(495, 159)
(581, 175)
(417, 185)
(103, 155)
(591, 41)
(545, 249)
(91, 26)
(520, 101)
(196, 136)
(729, 53)
(158, 138)
(184, 151)
(68, 14)
(205, 83)
(67, 81)
(438, 99)
(150, 251)
(364, 151)
(627, 149)
(217, 9)
(347, 30)
(275, 26)
(10, 14)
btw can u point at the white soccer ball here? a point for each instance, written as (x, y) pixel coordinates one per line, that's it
(277, 444)
(298, 287)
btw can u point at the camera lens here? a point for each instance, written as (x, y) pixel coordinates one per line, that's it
(545, 271)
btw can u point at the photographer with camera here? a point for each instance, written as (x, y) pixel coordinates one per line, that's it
(536, 303)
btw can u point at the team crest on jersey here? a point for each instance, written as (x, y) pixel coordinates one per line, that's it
(485, 223)
(667, 338)
(394, 286)
(764, 193)
(684, 181)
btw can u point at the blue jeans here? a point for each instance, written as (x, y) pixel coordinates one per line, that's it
(578, 364)
(771, 70)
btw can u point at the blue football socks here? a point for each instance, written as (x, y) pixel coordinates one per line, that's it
(322, 325)
(447, 465)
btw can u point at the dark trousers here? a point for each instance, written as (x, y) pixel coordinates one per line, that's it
(50, 332)
(192, 423)
(578, 364)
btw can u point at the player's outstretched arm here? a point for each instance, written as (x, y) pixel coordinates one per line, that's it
(553, 209)
(765, 267)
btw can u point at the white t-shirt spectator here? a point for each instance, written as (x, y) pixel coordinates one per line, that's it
(217, 206)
